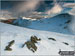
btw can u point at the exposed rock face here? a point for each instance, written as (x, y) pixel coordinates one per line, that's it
(52, 39)
(9, 45)
(34, 39)
(31, 44)
(65, 43)
(68, 21)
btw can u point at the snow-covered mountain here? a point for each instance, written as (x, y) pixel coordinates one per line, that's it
(57, 24)
(46, 46)
(49, 30)
(55, 31)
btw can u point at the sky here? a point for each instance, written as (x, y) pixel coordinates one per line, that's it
(26, 7)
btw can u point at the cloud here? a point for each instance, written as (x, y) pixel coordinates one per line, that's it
(26, 7)
(56, 9)
(5, 15)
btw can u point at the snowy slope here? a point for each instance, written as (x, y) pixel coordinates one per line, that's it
(54, 24)
(45, 46)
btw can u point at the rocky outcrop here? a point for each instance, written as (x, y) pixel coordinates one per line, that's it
(31, 43)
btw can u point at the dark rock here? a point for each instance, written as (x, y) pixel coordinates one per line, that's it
(31, 43)
(9, 21)
(68, 21)
(65, 43)
(8, 48)
(31, 46)
(34, 39)
(52, 39)
(9, 45)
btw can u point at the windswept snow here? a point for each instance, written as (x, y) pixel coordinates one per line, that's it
(45, 46)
